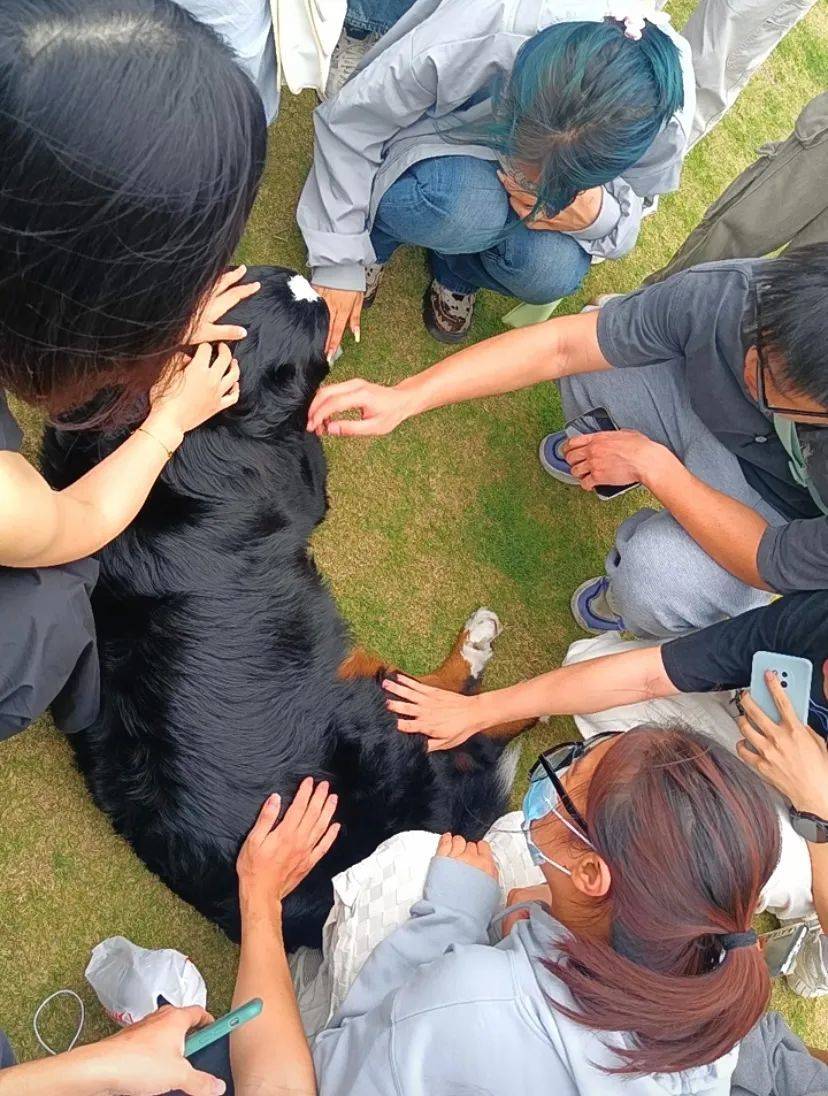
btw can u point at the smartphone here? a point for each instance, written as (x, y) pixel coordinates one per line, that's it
(219, 1029)
(597, 421)
(781, 947)
(794, 676)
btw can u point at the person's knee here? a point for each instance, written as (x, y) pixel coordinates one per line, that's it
(664, 584)
(539, 266)
(451, 204)
(656, 586)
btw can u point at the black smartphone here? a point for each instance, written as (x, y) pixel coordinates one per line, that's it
(597, 421)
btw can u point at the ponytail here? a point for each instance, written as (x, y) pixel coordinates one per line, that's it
(682, 971)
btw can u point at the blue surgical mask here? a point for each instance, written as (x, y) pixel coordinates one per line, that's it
(542, 799)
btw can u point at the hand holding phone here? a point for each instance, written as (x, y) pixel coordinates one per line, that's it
(599, 421)
(220, 1029)
(794, 676)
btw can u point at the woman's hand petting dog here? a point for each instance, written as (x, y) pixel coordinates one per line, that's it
(477, 854)
(204, 385)
(275, 858)
(448, 719)
(788, 755)
(226, 294)
(615, 458)
(345, 309)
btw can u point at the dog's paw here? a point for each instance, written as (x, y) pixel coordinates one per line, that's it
(481, 630)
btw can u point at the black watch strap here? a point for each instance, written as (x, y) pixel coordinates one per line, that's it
(810, 827)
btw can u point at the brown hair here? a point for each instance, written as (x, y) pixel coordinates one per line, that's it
(690, 837)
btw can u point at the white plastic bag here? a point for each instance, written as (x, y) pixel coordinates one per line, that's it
(129, 980)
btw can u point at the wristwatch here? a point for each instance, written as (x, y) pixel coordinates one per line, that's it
(810, 827)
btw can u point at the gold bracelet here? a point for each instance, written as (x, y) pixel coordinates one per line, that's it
(143, 430)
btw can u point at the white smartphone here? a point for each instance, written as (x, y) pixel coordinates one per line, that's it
(794, 676)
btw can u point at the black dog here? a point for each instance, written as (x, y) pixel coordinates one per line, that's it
(221, 647)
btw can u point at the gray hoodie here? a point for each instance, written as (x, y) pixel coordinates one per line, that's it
(437, 1011)
(432, 74)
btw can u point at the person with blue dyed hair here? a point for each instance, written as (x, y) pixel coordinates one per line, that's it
(515, 140)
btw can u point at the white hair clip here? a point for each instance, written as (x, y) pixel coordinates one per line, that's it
(634, 14)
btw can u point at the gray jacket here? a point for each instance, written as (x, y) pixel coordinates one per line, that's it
(415, 85)
(437, 1011)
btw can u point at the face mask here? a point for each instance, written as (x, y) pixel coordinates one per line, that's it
(541, 799)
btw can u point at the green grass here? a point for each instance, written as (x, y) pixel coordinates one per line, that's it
(449, 513)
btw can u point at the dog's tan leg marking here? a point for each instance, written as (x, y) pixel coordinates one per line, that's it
(361, 663)
(460, 672)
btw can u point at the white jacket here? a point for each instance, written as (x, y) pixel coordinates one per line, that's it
(298, 54)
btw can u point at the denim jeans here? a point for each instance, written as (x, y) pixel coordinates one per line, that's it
(457, 208)
(374, 16)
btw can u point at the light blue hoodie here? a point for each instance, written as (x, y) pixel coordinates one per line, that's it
(438, 1011)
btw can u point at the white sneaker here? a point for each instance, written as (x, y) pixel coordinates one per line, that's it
(809, 976)
(347, 54)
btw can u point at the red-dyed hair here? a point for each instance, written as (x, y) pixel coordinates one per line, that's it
(690, 837)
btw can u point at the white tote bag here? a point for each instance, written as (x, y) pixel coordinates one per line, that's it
(306, 32)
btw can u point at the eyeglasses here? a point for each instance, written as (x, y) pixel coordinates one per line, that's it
(546, 791)
(764, 371)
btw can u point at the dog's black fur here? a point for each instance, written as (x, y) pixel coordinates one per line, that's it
(220, 646)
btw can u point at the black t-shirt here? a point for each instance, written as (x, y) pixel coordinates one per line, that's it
(720, 657)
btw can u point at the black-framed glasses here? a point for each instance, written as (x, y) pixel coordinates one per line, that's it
(764, 371)
(557, 760)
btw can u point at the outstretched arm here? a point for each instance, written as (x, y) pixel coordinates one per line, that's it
(505, 363)
(449, 719)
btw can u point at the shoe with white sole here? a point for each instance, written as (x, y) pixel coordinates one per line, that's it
(447, 315)
(592, 610)
(347, 54)
(552, 459)
(809, 976)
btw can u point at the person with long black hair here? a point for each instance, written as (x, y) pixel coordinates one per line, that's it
(131, 146)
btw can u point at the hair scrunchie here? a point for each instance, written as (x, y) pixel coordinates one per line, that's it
(634, 14)
(732, 940)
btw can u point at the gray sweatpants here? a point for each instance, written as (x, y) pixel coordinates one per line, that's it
(729, 40)
(661, 582)
(773, 1062)
(780, 199)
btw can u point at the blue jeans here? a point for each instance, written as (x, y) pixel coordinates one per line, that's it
(457, 208)
(374, 16)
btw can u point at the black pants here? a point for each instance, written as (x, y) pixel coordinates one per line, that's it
(48, 649)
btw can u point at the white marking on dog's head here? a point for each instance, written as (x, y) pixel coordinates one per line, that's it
(301, 289)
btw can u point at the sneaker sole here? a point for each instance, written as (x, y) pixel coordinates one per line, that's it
(556, 473)
(432, 327)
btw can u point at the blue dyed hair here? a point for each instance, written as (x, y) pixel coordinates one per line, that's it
(583, 104)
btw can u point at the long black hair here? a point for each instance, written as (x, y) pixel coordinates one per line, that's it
(131, 147)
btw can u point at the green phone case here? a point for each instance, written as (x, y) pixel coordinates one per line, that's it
(202, 1038)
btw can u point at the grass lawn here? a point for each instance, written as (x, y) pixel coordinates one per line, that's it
(450, 513)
